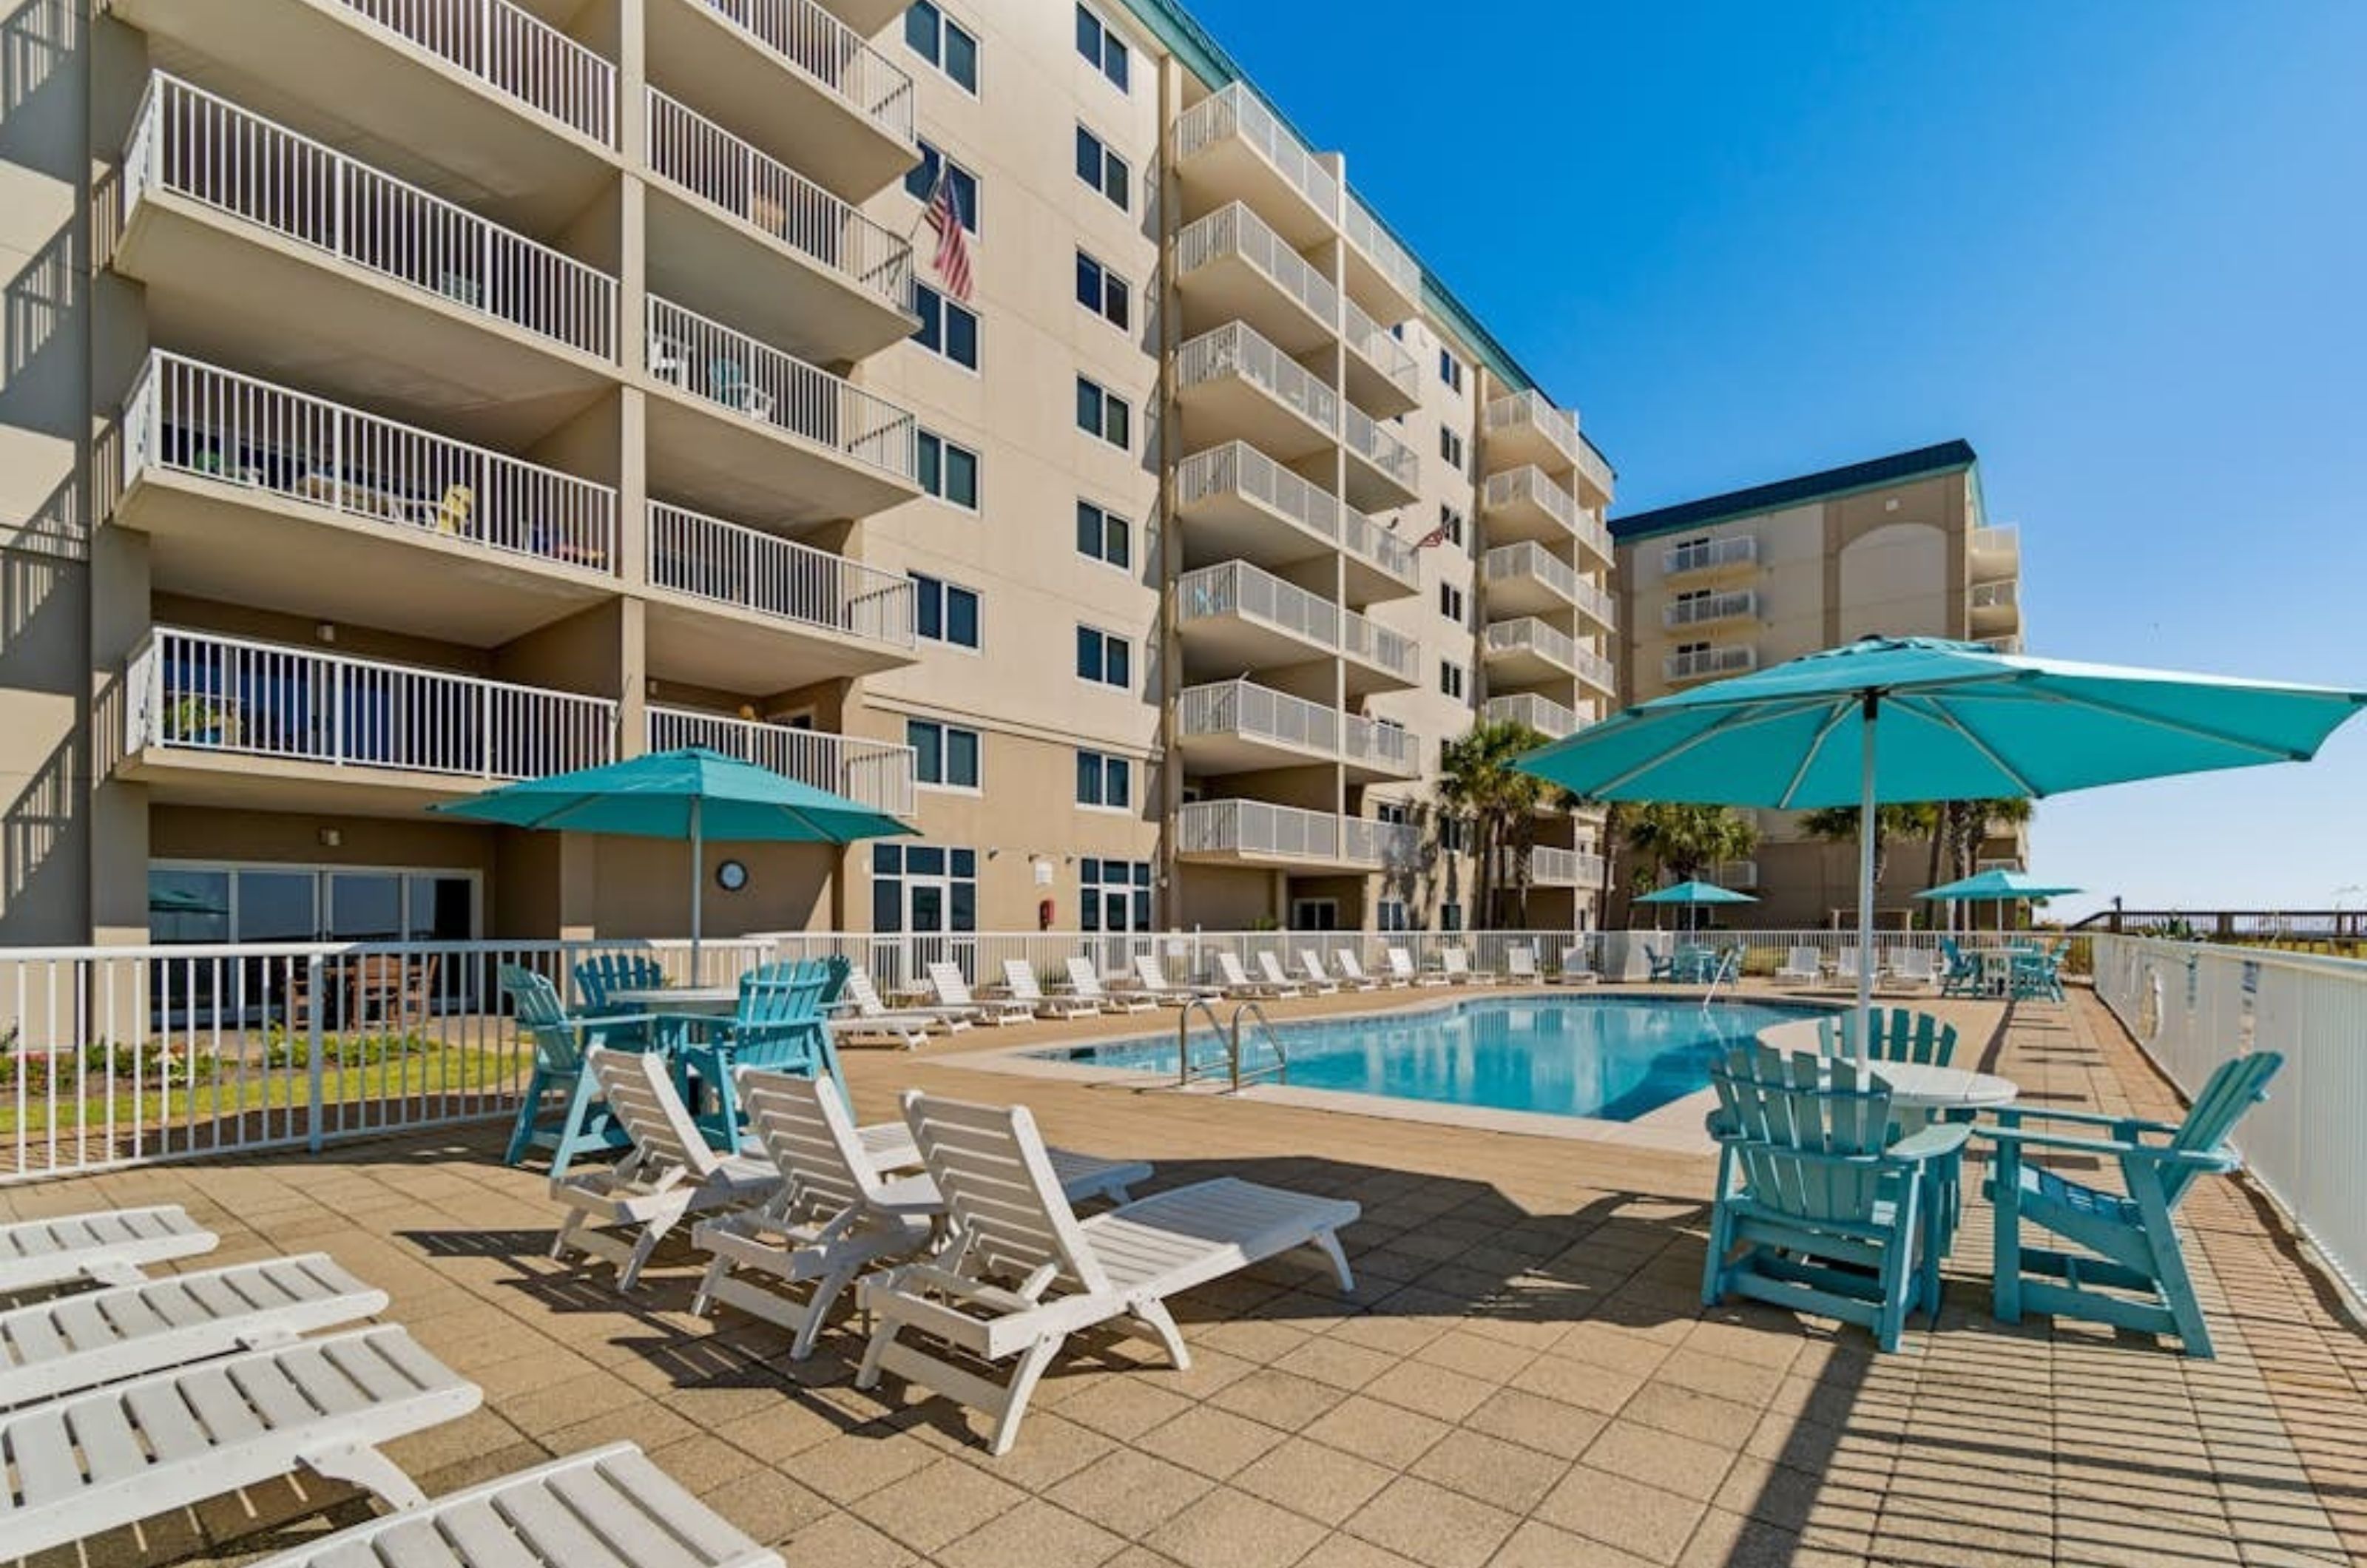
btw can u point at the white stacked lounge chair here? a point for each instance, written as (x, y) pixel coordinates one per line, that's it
(1801, 963)
(1914, 966)
(107, 1246)
(1239, 982)
(1019, 979)
(874, 1018)
(1311, 963)
(1151, 976)
(1521, 966)
(1352, 967)
(1085, 982)
(1577, 968)
(1317, 983)
(1018, 1272)
(1402, 967)
(1455, 963)
(953, 991)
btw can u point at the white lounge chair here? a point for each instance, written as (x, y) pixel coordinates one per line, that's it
(1801, 963)
(836, 1216)
(1402, 967)
(608, 1506)
(1151, 976)
(112, 1456)
(1020, 1273)
(953, 991)
(1311, 964)
(1319, 984)
(1577, 968)
(1455, 964)
(1845, 964)
(1913, 966)
(1521, 966)
(1352, 967)
(1239, 982)
(1085, 982)
(875, 1018)
(107, 1246)
(1019, 979)
(73, 1342)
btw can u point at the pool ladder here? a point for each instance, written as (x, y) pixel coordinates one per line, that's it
(1184, 1073)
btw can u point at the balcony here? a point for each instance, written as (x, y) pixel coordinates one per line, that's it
(1995, 551)
(802, 83)
(1525, 503)
(1234, 496)
(222, 721)
(1708, 663)
(1528, 580)
(1233, 384)
(739, 609)
(1596, 482)
(1234, 726)
(1381, 374)
(1528, 651)
(1547, 717)
(1230, 266)
(482, 95)
(1551, 867)
(1703, 609)
(255, 494)
(1231, 147)
(1524, 427)
(1255, 832)
(1736, 873)
(877, 773)
(761, 245)
(1382, 472)
(1235, 617)
(2007, 644)
(265, 247)
(1371, 750)
(1379, 269)
(1721, 554)
(743, 429)
(1995, 608)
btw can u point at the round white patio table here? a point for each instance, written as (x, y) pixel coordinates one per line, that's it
(678, 999)
(1919, 1086)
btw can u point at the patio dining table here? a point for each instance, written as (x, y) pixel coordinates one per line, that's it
(678, 999)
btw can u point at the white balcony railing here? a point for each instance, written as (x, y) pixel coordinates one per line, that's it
(1528, 560)
(1530, 409)
(1706, 555)
(692, 152)
(206, 149)
(1236, 349)
(1373, 643)
(1389, 257)
(754, 379)
(197, 692)
(512, 50)
(2002, 595)
(710, 559)
(1737, 874)
(1379, 348)
(1529, 634)
(193, 418)
(1236, 111)
(1996, 539)
(1594, 534)
(1702, 609)
(1551, 867)
(1259, 828)
(1370, 741)
(1368, 440)
(1530, 484)
(1237, 588)
(1700, 663)
(1547, 717)
(2008, 645)
(1595, 602)
(1594, 468)
(1247, 709)
(1238, 468)
(819, 47)
(877, 773)
(1234, 230)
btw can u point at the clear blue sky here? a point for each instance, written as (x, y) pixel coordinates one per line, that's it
(2122, 248)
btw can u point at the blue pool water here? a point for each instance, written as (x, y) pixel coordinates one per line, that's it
(1607, 1057)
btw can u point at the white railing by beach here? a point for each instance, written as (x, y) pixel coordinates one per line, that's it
(2192, 1006)
(208, 150)
(1237, 349)
(1234, 110)
(1527, 634)
(818, 46)
(1707, 607)
(194, 419)
(878, 773)
(1288, 832)
(1530, 484)
(512, 50)
(1379, 347)
(1530, 409)
(191, 691)
(1696, 663)
(1549, 718)
(1233, 229)
(1238, 468)
(1390, 258)
(754, 379)
(710, 559)
(1245, 708)
(698, 156)
(1702, 555)
(2000, 595)
(1366, 438)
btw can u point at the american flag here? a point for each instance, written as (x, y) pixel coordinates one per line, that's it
(1430, 540)
(953, 244)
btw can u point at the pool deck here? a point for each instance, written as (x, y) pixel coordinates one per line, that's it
(1524, 1378)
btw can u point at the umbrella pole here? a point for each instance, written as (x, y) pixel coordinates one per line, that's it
(697, 883)
(1865, 880)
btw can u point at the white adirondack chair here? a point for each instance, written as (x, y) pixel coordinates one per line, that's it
(1085, 982)
(1019, 979)
(107, 1246)
(953, 991)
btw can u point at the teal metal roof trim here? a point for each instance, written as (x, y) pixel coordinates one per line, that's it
(1875, 473)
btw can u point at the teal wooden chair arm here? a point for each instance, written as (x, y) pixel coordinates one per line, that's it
(1937, 1141)
(2126, 1127)
(2219, 1160)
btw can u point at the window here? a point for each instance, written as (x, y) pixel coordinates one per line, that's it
(1692, 649)
(921, 180)
(948, 330)
(1102, 48)
(1105, 781)
(1450, 602)
(1390, 914)
(945, 612)
(1105, 659)
(944, 756)
(947, 471)
(1450, 369)
(1102, 291)
(1450, 448)
(1104, 170)
(1450, 522)
(1393, 812)
(1450, 917)
(943, 43)
(1450, 678)
(1107, 539)
(923, 887)
(1115, 895)
(1104, 413)
(1454, 834)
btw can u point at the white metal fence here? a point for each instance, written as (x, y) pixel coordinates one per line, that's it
(874, 772)
(693, 553)
(820, 46)
(512, 50)
(2192, 1006)
(756, 379)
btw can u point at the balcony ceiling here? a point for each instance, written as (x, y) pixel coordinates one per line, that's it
(233, 781)
(701, 643)
(731, 272)
(706, 457)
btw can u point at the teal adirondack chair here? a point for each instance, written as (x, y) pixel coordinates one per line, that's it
(604, 973)
(1963, 976)
(560, 1041)
(1825, 1213)
(2033, 974)
(777, 1027)
(2126, 1243)
(1900, 1035)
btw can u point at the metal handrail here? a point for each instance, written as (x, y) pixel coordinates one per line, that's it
(1280, 1071)
(1183, 1041)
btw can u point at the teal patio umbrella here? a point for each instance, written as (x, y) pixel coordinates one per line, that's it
(1693, 894)
(1923, 718)
(2000, 885)
(694, 794)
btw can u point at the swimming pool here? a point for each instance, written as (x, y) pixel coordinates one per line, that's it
(1610, 1058)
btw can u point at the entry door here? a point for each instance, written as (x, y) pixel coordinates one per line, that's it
(1315, 914)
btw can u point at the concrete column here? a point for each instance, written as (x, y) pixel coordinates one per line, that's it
(1168, 905)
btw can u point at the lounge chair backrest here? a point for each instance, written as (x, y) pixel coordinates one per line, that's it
(1085, 979)
(606, 972)
(2233, 1088)
(1020, 980)
(1312, 963)
(946, 978)
(1845, 962)
(1401, 963)
(1809, 1132)
(1521, 961)
(1271, 967)
(1350, 964)
(1148, 969)
(534, 1002)
(1574, 961)
(804, 1127)
(1454, 961)
(643, 1100)
(1001, 1198)
(1229, 970)
(1804, 958)
(865, 994)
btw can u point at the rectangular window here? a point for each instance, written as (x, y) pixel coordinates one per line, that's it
(1103, 781)
(943, 43)
(1106, 538)
(1450, 448)
(1450, 678)
(1390, 914)
(1393, 812)
(1453, 835)
(921, 181)
(948, 472)
(1451, 521)
(1104, 413)
(944, 612)
(1102, 49)
(1102, 291)
(1450, 369)
(943, 755)
(1450, 917)
(1114, 895)
(923, 888)
(1450, 602)
(1105, 659)
(1104, 170)
(948, 330)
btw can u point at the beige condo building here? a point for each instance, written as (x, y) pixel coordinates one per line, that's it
(406, 395)
(1897, 546)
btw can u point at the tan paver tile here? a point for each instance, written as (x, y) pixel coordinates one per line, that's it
(1226, 1529)
(938, 1503)
(1035, 1533)
(1314, 1479)
(1214, 1442)
(1385, 1434)
(1130, 1493)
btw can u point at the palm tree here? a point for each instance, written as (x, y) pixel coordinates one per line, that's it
(1838, 824)
(1676, 843)
(1478, 783)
